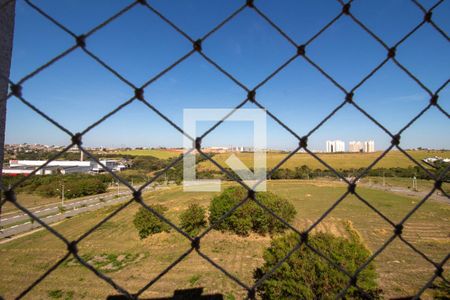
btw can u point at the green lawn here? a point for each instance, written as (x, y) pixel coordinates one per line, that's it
(135, 261)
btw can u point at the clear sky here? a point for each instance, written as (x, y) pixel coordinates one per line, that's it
(77, 91)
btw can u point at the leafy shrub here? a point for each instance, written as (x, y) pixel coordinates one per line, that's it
(193, 219)
(47, 190)
(148, 223)
(194, 279)
(250, 216)
(56, 294)
(305, 275)
(441, 289)
(60, 294)
(85, 187)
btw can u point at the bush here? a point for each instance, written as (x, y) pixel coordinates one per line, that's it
(250, 216)
(148, 223)
(305, 275)
(47, 190)
(85, 187)
(193, 219)
(441, 289)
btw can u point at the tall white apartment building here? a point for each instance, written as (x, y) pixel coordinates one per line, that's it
(355, 146)
(335, 146)
(358, 146)
(369, 146)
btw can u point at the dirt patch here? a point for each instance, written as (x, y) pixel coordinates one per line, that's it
(121, 257)
(380, 232)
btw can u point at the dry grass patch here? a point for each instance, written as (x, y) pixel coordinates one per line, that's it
(117, 250)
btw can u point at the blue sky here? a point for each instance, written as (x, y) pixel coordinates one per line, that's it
(76, 91)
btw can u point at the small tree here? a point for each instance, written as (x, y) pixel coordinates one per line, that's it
(306, 275)
(250, 216)
(148, 223)
(193, 219)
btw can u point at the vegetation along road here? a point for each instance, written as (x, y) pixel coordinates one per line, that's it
(18, 222)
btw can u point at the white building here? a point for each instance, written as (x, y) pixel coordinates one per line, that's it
(237, 148)
(359, 146)
(436, 159)
(25, 167)
(369, 146)
(54, 163)
(335, 146)
(355, 146)
(113, 165)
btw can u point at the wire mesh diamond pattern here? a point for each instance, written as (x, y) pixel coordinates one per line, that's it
(299, 52)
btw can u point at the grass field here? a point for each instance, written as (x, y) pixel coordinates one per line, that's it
(158, 153)
(336, 160)
(118, 252)
(29, 200)
(405, 183)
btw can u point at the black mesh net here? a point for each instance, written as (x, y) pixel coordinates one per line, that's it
(299, 52)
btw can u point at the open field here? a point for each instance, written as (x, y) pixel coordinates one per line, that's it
(29, 200)
(404, 183)
(116, 249)
(158, 153)
(337, 160)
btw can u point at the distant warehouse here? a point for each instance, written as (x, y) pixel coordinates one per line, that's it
(25, 167)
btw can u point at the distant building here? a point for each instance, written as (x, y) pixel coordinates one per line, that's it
(355, 146)
(369, 146)
(436, 159)
(25, 167)
(215, 149)
(359, 146)
(113, 165)
(335, 146)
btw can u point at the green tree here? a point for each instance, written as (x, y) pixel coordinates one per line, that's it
(250, 216)
(306, 275)
(148, 223)
(193, 219)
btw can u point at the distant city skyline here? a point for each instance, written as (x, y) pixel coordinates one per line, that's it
(76, 91)
(210, 148)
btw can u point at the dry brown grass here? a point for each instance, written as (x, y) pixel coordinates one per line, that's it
(336, 160)
(401, 272)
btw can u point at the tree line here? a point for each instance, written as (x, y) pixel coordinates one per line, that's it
(75, 185)
(305, 172)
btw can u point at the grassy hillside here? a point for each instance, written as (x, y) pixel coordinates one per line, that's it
(158, 153)
(336, 160)
(118, 252)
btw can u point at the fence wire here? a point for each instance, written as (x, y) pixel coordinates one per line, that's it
(300, 51)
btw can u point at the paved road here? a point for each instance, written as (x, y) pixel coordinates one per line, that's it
(52, 213)
(54, 208)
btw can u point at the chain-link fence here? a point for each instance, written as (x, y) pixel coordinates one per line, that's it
(300, 52)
